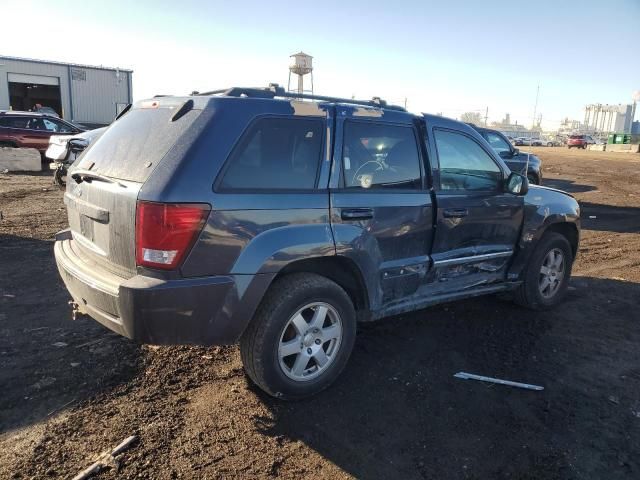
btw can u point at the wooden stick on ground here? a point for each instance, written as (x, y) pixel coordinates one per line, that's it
(105, 459)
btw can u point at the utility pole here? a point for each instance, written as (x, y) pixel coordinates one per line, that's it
(535, 107)
(486, 116)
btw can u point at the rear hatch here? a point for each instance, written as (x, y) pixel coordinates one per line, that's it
(103, 184)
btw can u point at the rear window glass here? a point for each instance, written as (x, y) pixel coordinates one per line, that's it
(276, 153)
(576, 137)
(134, 145)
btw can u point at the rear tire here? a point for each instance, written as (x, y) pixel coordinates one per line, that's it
(300, 339)
(547, 275)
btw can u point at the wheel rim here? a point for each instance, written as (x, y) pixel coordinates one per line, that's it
(551, 273)
(310, 341)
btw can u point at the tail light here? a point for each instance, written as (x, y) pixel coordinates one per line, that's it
(165, 232)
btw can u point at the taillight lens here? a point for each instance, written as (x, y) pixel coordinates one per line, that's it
(165, 232)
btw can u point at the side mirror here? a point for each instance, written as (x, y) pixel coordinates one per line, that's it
(517, 184)
(516, 151)
(77, 145)
(505, 154)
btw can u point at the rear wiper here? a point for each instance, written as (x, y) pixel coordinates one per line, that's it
(124, 110)
(85, 175)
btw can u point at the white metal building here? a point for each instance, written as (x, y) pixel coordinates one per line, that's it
(83, 94)
(608, 118)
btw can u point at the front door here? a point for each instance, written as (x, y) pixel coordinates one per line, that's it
(478, 223)
(381, 210)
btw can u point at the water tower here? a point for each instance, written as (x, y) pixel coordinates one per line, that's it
(301, 65)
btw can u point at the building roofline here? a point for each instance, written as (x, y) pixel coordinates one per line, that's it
(66, 64)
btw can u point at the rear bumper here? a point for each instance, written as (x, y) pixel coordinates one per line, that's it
(204, 311)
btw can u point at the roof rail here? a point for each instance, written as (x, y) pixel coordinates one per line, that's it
(274, 90)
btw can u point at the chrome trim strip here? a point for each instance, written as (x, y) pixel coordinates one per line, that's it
(472, 259)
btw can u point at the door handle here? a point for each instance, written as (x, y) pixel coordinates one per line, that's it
(357, 214)
(455, 213)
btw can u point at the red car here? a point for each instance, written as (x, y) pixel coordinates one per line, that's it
(32, 130)
(579, 141)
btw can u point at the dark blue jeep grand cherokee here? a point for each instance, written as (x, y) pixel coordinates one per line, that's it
(278, 220)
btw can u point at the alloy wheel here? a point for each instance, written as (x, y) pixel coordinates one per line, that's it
(310, 341)
(551, 273)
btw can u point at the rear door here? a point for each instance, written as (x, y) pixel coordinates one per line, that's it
(14, 127)
(103, 185)
(478, 223)
(381, 209)
(36, 135)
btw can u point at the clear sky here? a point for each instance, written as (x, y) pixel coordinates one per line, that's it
(443, 56)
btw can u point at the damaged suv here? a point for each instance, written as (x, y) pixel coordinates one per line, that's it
(279, 220)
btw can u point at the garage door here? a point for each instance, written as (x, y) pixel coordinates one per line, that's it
(35, 79)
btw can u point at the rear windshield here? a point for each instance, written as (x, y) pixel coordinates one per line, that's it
(134, 145)
(576, 137)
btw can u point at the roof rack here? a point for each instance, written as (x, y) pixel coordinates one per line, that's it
(274, 90)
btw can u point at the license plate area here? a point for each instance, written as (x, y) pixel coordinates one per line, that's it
(86, 227)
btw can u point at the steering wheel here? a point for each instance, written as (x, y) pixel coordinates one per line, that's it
(372, 167)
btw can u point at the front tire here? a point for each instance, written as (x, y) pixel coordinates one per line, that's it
(548, 272)
(301, 337)
(60, 177)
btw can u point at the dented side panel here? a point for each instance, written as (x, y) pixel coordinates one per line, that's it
(543, 208)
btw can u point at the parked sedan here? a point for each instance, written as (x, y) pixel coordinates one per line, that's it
(530, 142)
(520, 162)
(32, 130)
(579, 141)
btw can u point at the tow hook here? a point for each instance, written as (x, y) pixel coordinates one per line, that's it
(75, 308)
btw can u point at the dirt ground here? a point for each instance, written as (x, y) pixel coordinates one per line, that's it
(71, 390)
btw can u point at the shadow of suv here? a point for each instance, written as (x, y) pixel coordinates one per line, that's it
(278, 220)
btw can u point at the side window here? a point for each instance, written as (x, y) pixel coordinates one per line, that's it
(55, 126)
(51, 126)
(276, 153)
(36, 123)
(375, 155)
(14, 122)
(464, 165)
(498, 143)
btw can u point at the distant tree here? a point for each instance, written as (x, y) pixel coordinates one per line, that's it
(472, 117)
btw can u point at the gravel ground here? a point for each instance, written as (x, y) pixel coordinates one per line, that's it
(71, 390)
